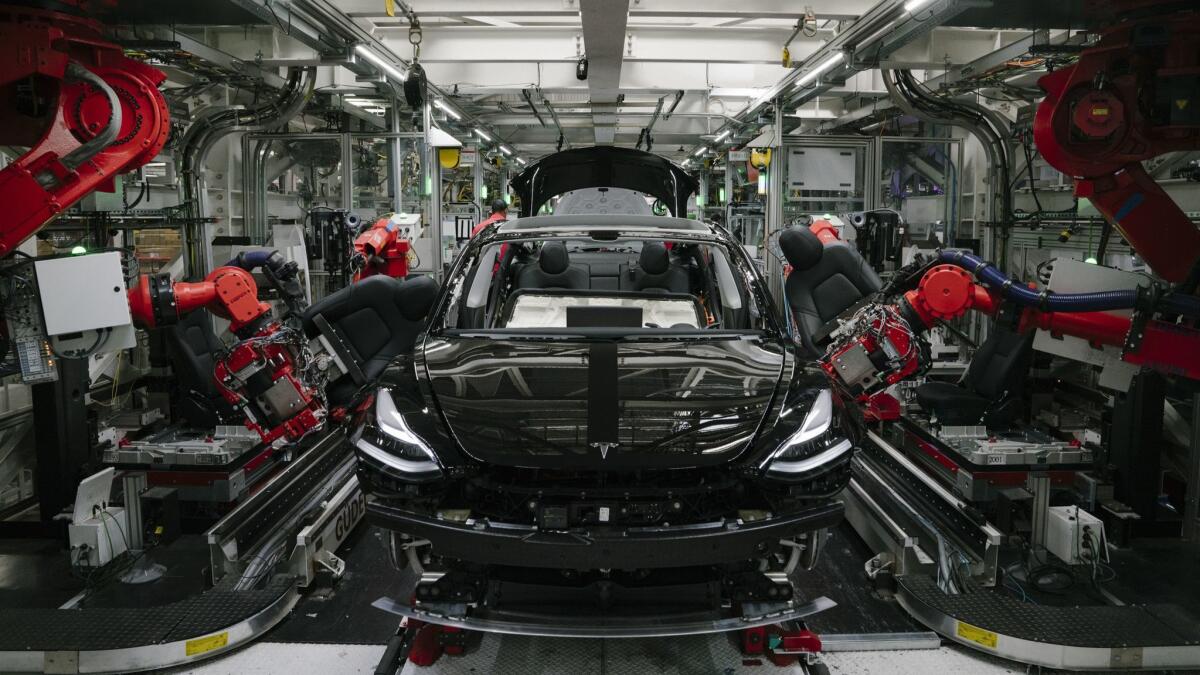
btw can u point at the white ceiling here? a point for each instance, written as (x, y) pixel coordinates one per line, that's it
(722, 54)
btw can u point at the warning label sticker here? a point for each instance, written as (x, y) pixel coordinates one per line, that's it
(977, 635)
(207, 644)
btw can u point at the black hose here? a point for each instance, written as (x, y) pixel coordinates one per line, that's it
(105, 138)
(918, 101)
(93, 146)
(141, 195)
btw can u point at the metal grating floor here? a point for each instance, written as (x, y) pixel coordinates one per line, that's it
(1095, 626)
(100, 628)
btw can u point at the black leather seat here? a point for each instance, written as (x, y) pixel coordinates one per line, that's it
(826, 280)
(656, 272)
(376, 319)
(989, 392)
(553, 270)
(192, 346)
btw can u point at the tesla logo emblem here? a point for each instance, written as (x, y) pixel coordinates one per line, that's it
(604, 448)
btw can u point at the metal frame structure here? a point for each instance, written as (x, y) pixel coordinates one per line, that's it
(155, 656)
(255, 208)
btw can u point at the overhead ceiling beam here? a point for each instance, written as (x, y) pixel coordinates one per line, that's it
(604, 23)
(824, 9)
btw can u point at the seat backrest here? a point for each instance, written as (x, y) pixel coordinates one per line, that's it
(553, 270)
(657, 272)
(192, 346)
(1000, 364)
(377, 319)
(826, 280)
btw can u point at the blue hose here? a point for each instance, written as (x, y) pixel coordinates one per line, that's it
(249, 260)
(1101, 301)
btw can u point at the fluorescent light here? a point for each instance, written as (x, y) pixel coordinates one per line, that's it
(723, 135)
(913, 5)
(521, 161)
(736, 92)
(483, 134)
(812, 75)
(700, 151)
(506, 150)
(387, 68)
(441, 105)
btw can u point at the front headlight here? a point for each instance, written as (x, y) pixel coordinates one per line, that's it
(812, 445)
(393, 445)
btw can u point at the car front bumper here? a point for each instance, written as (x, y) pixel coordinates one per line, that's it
(489, 543)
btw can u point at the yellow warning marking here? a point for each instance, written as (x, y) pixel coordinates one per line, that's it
(389, 6)
(977, 635)
(207, 644)
(1100, 112)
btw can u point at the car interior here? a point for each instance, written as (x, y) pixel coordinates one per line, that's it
(589, 283)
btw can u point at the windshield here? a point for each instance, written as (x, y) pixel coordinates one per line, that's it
(627, 283)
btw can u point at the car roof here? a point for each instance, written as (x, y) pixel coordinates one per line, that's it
(609, 222)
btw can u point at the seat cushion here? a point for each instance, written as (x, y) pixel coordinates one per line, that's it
(658, 273)
(832, 282)
(1001, 364)
(378, 319)
(951, 404)
(192, 346)
(554, 270)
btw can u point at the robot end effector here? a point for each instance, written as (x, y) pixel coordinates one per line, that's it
(275, 375)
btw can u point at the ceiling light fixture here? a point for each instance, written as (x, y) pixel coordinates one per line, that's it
(388, 69)
(700, 151)
(812, 75)
(444, 107)
(506, 150)
(483, 134)
(723, 135)
(913, 5)
(521, 161)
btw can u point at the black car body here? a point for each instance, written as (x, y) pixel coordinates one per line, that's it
(605, 450)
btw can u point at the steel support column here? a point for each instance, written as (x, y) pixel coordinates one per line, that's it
(1191, 509)
(1135, 448)
(774, 216)
(64, 446)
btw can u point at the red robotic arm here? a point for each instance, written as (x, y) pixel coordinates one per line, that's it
(86, 112)
(948, 291)
(228, 292)
(1131, 97)
(880, 345)
(382, 249)
(271, 374)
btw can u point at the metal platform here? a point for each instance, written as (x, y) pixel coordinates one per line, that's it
(262, 553)
(1095, 637)
(108, 639)
(907, 516)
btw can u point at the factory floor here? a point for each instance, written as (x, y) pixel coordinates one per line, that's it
(337, 631)
(518, 655)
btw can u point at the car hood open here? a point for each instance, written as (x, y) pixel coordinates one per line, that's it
(599, 167)
(604, 405)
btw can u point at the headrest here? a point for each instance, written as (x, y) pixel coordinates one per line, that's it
(801, 247)
(553, 258)
(654, 259)
(416, 296)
